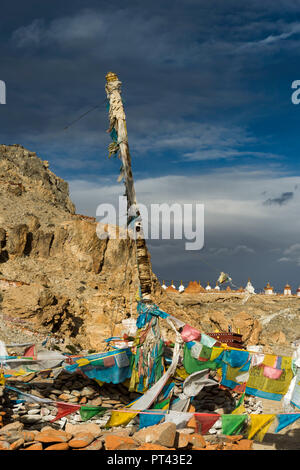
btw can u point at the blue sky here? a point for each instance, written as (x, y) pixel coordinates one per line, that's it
(207, 93)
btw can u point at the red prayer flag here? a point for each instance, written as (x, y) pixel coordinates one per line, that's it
(29, 352)
(204, 421)
(190, 334)
(240, 388)
(64, 409)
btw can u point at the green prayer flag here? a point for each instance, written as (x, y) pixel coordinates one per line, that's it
(241, 400)
(205, 352)
(162, 404)
(97, 363)
(232, 424)
(192, 365)
(87, 412)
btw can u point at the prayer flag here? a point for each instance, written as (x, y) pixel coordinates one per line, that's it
(232, 424)
(64, 409)
(285, 420)
(259, 424)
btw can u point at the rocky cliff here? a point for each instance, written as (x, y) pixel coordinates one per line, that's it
(55, 272)
(57, 276)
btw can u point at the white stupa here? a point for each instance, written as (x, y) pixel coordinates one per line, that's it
(269, 289)
(208, 287)
(287, 290)
(164, 285)
(249, 287)
(181, 287)
(217, 286)
(172, 285)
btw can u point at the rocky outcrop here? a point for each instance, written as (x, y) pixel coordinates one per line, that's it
(57, 273)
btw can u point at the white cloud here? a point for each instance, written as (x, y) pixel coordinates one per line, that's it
(232, 199)
(85, 25)
(194, 141)
(291, 254)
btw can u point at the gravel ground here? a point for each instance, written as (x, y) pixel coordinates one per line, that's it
(18, 332)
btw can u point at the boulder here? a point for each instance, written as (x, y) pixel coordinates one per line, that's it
(81, 439)
(114, 442)
(163, 434)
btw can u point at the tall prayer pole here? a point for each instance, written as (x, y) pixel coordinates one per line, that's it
(118, 132)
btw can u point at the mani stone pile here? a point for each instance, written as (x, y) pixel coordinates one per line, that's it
(28, 426)
(90, 436)
(74, 389)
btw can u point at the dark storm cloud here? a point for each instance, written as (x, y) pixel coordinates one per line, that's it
(170, 64)
(281, 200)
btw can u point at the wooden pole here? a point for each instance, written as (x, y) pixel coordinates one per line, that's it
(117, 121)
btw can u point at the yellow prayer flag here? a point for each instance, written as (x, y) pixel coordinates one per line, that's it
(20, 371)
(216, 352)
(259, 425)
(181, 373)
(82, 362)
(286, 362)
(119, 418)
(239, 410)
(2, 379)
(270, 360)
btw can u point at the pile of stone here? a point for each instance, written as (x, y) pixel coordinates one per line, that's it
(252, 405)
(78, 389)
(68, 388)
(91, 437)
(214, 399)
(32, 425)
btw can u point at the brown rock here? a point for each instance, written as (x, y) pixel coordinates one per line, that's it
(95, 445)
(192, 423)
(16, 240)
(81, 439)
(37, 446)
(244, 444)
(114, 442)
(11, 436)
(4, 445)
(29, 436)
(96, 401)
(65, 397)
(249, 327)
(27, 378)
(92, 428)
(28, 444)
(17, 444)
(163, 434)
(209, 447)
(278, 337)
(197, 440)
(234, 439)
(60, 446)
(15, 426)
(218, 320)
(53, 435)
(182, 440)
(148, 446)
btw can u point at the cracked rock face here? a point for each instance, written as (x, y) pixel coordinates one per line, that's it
(55, 271)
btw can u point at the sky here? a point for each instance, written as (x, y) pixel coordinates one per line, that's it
(207, 91)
